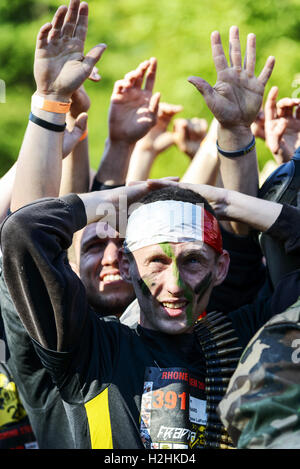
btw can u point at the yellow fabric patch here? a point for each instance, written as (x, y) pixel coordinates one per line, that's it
(97, 410)
(11, 409)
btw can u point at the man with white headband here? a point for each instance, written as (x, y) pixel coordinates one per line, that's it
(156, 385)
(160, 233)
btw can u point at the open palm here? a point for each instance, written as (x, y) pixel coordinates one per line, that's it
(133, 109)
(60, 66)
(237, 96)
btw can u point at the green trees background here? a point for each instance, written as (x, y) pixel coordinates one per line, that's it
(177, 32)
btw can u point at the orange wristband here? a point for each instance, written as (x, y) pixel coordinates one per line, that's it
(50, 106)
(83, 136)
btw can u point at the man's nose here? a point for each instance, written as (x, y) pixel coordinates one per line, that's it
(173, 281)
(110, 254)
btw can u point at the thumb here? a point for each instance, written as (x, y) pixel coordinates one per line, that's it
(205, 89)
(92, 57)
(71, 138)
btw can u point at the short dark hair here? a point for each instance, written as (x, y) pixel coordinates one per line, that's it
(177, 193)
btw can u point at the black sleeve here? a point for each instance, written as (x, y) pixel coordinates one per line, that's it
(287, 229)
(48, 295)
(248, 319)
(246, 274)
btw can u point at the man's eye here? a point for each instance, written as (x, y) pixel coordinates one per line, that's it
(158, 260)
(92, 246)
(192, 260)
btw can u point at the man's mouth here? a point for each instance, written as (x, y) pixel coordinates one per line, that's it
(174, 308)
(179, 304)
(110, 278)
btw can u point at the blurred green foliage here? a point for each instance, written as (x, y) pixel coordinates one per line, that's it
(177, 32)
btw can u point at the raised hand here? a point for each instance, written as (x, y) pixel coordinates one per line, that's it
(133, 109)
(236, 98)
(60, 66)
(189, 133)
(72, 136)
(282, 125)
(158, 139)
(258, 126)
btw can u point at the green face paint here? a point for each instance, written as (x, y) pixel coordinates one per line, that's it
(187, 291)
(144, 286)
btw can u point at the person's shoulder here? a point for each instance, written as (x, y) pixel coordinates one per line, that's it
(131, 315)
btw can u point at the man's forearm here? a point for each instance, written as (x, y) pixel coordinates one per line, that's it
(238, 173)
(76, 170)
(38, 171)
(6, 188)
(205, 165)
(76, 166)
(140, 164)
(44, 289)
(114, 163)
(231, 205)
(257, 213)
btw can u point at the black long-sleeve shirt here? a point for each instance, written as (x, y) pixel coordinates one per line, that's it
(99, 366)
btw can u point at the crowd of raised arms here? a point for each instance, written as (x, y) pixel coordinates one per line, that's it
(142, 313)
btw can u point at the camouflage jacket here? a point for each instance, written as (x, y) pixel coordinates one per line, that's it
(261, 408)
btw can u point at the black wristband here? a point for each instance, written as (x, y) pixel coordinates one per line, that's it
(45, 124)
(100, 186)
(243, 151)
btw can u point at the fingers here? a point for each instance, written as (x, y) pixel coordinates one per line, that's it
(250, 56)
(154, 184)
(267, 70)
(71, 138)
(235, 48)
(218, 52)
(285, 107)
(81, 122)
(82, 22)
(57, 23)
(136, 77)
(151, 75)
(94, 75)
(166, 109)
(70, 19)
(198, 126)
(270, 106)
(42, 37)
(67, 22)
(154, 103)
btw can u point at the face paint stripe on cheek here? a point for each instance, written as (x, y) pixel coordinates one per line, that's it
(202, 286)
(187, 292)
(144, 287)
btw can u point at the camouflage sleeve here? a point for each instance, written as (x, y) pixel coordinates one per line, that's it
(261, 408)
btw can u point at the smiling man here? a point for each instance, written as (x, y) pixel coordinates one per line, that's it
(98, 248)
(175, 257)
(150, 386)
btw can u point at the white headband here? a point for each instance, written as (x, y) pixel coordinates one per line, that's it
(164, 221)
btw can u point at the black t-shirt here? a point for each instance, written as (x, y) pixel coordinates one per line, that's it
(34, 390)
(103, 368)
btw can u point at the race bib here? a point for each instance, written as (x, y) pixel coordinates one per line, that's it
(173, 409)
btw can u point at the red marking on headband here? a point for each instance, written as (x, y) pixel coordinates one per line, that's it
(212, 232)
